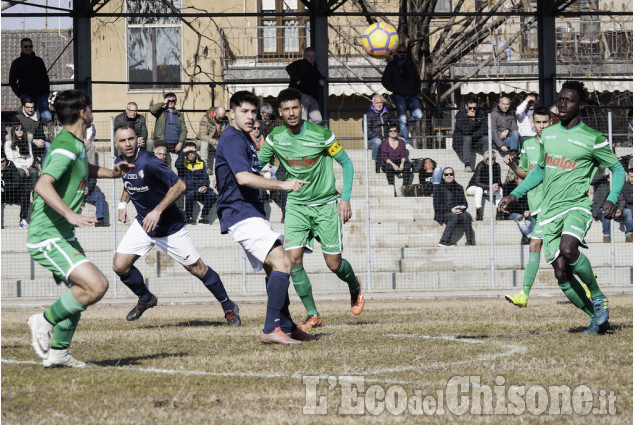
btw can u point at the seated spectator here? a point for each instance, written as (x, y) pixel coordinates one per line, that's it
(504, 127)
(519, 212)
(32, 123)
(601, 187)
(18, 150)
(625, 211)
(395, 158)
(479, 184)
(272, 170)
(470, 132)
(13, 190)
(377, 118)
(92, 194)
(450, 207)
(267, 119)
(212, 125)
(194, 173)
(525, 117)
(305, 75)
(131, 116)
(161, 152)
(429, 175)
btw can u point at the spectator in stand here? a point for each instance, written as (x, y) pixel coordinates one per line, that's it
(29, 117)
(625, 212)
(92, 194)
(470, 132)
(161, 152)
(28, 77)
(306, 77)
(520, 212)
(267, 119)
(430, 175)
(395, 158)
(13, 190)
(504, 127)
(525, 117)
(377, 118)
(170, 129)
(131, 116)
(271, 170)
(194, 173)
(450, 207)
(18, 150)
(479, 184)
(212, 125)
(601, 187)
(401, 77)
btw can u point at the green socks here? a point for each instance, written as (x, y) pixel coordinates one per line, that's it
(64, 330)
(65, 307)
(582, 267)
(347, 274)
(575, 293)
(302, 286)
(530, 271)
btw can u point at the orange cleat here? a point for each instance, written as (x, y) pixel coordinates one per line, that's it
(357, 304)
(311, 321)
(277, 337)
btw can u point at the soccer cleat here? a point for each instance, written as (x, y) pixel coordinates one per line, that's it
(232, 317)
(300, 335)
(357, 302)
(595, 329)
(40, 334)
(277, 337)
(204, 220)
(61, 358)
(518, 299)
(138, 310)
(586, 289)
(311, 321)
(601, 310)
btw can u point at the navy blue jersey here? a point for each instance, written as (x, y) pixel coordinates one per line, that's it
(235, 153)
(147, 185)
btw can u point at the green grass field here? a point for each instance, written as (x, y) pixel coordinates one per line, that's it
(182, 365)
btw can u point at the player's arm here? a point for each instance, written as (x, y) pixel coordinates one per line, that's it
(44, 188)
(152, 219)
(245, 178)
(618, 177)
(266, 153)
(119, 170)
(344, 207)
(122, 214)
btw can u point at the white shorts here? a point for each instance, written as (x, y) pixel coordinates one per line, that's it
(177, 245)
(257, 237)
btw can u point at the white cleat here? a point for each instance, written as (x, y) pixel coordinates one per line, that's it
(61, 358)
(40, 334)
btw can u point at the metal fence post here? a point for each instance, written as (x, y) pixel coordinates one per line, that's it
(368, 257)
(491, 202)
(612, 231)
(114, 204)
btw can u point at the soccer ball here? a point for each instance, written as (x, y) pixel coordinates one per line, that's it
(380, 39)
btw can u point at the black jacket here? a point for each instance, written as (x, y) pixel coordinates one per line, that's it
(467, 126)
(447, 196)
(402, 77)
(28, 76)
(480, 177)
(521, 205)
(139, 124)
(36, 128)
(305, 77)
(378, 122)
(11, 181)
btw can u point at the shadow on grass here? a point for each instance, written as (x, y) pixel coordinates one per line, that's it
(188, 324)
(136, 361)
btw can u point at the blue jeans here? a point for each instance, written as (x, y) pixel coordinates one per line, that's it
(606, 224)
(437, 175)
(42, 105)
(512, 141)
(99, 201)
(373, 145)
(627, 218)
(403, 105)
(208, 198)
(524, 228)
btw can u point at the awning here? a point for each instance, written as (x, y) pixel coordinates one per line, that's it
(532, 86)
(335, 89)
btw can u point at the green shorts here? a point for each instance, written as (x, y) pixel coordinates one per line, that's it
(302, 224)
(575, 222)
(58, 255)
(538, 231)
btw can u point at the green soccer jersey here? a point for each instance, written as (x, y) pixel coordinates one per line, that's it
(570, 159)
(65, 161)
(307, 156)
(529, 156)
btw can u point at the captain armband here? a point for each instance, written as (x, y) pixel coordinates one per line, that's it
(334, 148)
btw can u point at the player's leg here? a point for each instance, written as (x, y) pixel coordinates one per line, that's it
(531, 270)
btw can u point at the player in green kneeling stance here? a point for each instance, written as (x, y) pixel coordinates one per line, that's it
(306, 151)
(570, 154)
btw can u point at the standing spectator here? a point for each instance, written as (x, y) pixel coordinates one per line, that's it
(402, 79)
(525, 116)
(31, 121)
(306, 77)
(92, 194)
(450, 207)
(625, 212)
(169, 129)
(212, 125)
(267, 119)
(479, 184)
(377, 118)
(429, 175)
(601, 187)
(470, 132)
(13, 189)
(395, 158)
(504, 126)
(194, 173)
(132, 117)
(28, 77)
(17, 148)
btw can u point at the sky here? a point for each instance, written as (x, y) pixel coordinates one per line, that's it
(37, 23)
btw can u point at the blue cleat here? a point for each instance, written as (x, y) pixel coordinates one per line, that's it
(595, 329)
(600, 309)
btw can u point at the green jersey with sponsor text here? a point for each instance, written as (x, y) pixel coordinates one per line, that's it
(571, 158)
(307, 156)
(65, 161)
(529, 156)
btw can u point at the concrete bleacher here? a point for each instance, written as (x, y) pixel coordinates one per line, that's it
(400, 231)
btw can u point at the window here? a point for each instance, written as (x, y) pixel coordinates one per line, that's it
(154, 45)
(282, 37)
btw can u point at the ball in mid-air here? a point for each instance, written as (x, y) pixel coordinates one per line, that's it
(380, 40)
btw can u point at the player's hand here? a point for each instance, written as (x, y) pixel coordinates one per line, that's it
(122, 215)
(214, 184)
(151, 221)
(344, 210)
(79, 220)
(509, 161)
(608, 208)
(120, 169)
(294, 184)
(506, 202)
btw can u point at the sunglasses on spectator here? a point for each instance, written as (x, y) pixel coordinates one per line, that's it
(470, 108)
(256, 128)
(19, 129)
(27, 46)
(171, 100)
(448, 174)
(392, 130)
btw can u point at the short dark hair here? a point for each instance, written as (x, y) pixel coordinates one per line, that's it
(289, 94)
(434, 163)
(169, 95)
(125, 126)
(26, 39)
(28, 100)
(309, 49)
(542, 110)
(69, 103)
(189, 144)
(241, 97)
(393, 124)
(579, 87)
(471, 100)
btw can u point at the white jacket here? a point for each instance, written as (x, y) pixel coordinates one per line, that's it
(14, 156)
(525, 117)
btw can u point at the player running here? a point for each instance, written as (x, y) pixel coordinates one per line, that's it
(570, 154)
(51, 241)
(153, 188)
(306, 151)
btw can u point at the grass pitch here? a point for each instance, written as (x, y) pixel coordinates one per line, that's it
(183, 365)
